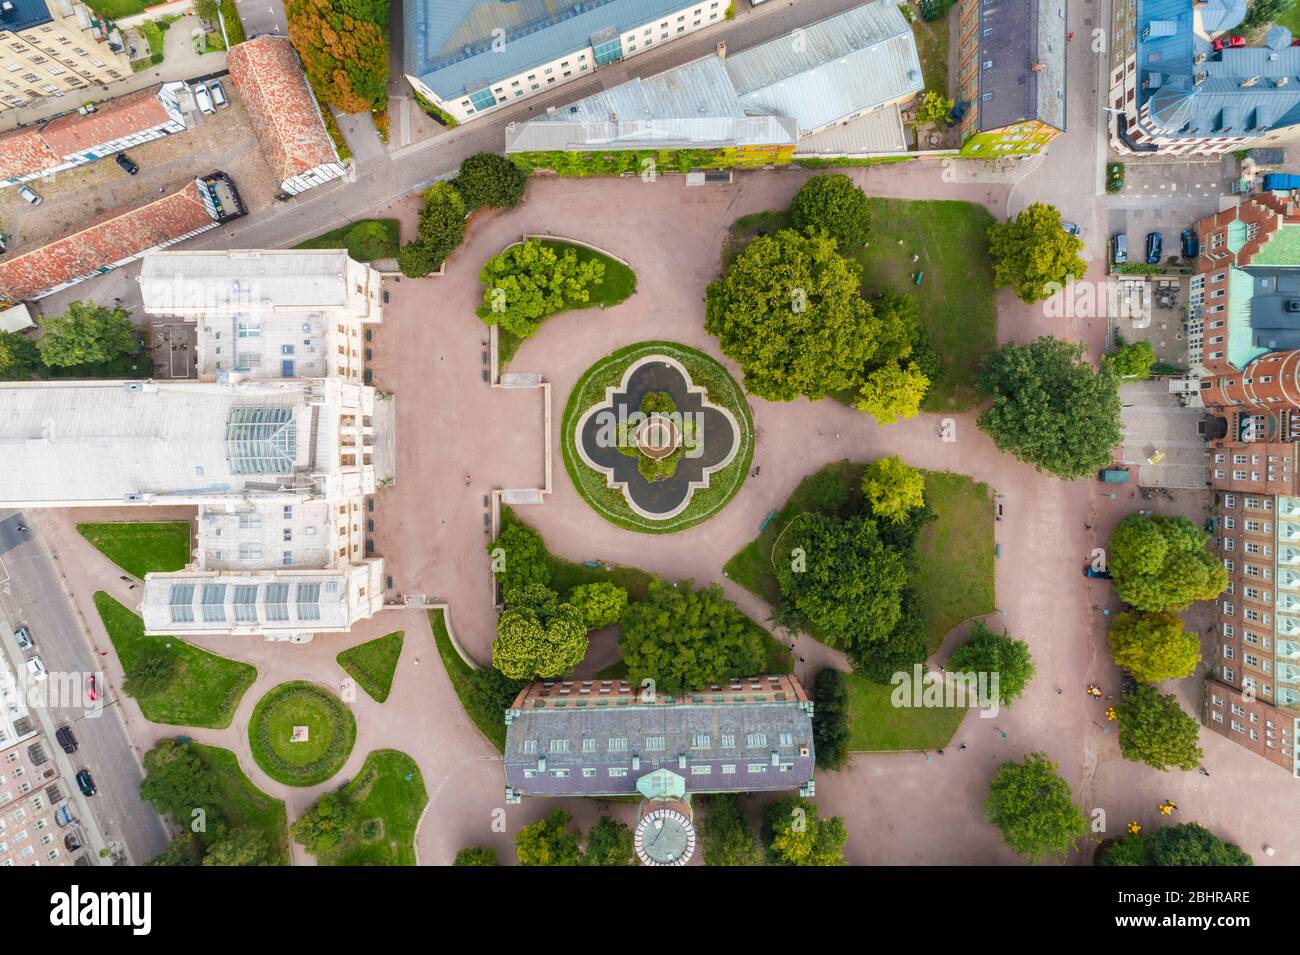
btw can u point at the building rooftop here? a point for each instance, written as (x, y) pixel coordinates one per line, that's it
(24, 15)
(856, 60)
(281, 108)
(244, 281)
(113, 240)
(591, 738)
(1022, 63)
(449, 43)
(181, 441)
(204, 601)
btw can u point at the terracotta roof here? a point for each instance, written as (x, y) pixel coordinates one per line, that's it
(27, 151)
(108, 242)
(269, 78)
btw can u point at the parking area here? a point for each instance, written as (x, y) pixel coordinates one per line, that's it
(81, 197)
(1185, 181)
(172, 349)
(1162, 439)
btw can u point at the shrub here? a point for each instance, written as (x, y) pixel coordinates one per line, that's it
(440, 230)
(831, 718)
(833, 203)
(488, 179)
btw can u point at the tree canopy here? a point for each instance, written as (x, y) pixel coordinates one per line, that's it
(725, 836)
(832, 203)
(1153, 729)
(343, 45)
(1160, 563)
(1032, 253)
(682, 638)
(794, 835)
(490, 179)
(527, 282)
(325, 824)
(1191, 844)
(85, 334)
(1154, 646)
(1035, 809)
(548, 841)
(830, 718)
(19, 357)
(989, 652)
(1132, 360)
(893, 488)
(789, 313)
(537, 636)
(600, 604)
(439, 230)
(519, 557)
(1051, 408)
(609, 842)
(475, 856)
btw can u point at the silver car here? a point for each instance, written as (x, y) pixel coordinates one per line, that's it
(29, 196)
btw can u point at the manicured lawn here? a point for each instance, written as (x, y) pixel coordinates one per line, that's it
(205, 689)
(609, 502)
(491, 725)
(141, 547)
(956, 553)
(331, 732)
(115, 9)
(956, 297)
(362, 240)
(241, 804)
(618, 284)
(387, 796)
(567, 574)
(373, 663)
(876, 724)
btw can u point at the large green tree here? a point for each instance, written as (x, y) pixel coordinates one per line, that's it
(1033, 254)
(725, 836)
(548, 841)
(537, 636)
(795, 835)
(324, 825)
(601, 603)
(832, 202)
(240, 846)
(1132, 360)
(682, 638)
(86, 334)
(475, 856)
(20, 358)
(490, 179)
(989, 652)
(789, 313)
(1160, 563)
(893, 488)
(1154, 646)
(1035, 809)
(609, 842)
(519, 557)
(1153, 729)
(830, 718)
(527, 282)
(440, 229)
(1191, 844)
(1051, 408)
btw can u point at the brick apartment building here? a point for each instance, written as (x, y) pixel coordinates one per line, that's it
(1244, 344)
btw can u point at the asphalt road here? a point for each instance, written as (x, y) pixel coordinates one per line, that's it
(32, 593)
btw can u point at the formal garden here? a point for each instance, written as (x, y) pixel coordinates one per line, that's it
(657, 437)
(301, 734)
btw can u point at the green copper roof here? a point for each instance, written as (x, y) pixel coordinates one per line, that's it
(1282, 249)
(1236, 235)
(1242, 349)
(662, 783)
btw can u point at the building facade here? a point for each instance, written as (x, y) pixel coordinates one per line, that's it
(55, 48)
(1011, 75)
(469, 57)
(1179, 85)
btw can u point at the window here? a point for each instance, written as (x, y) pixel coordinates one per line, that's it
(618, 744)
(700, 741)
(757, 767)
(559, 746)
(786, 739)
(756, 740)
(530, 746)
(728, 741)
(245, 603)
(182, 603)
(588, 744)
(654, 744)
(308, 599)
(277, 601)
(617, 771)
(214, 603)
(701, 770)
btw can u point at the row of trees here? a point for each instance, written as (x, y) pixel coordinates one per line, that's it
(790, 313)
(484, 180)
(85, 335)
(343, 45)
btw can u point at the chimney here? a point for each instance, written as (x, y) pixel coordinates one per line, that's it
(722, 49)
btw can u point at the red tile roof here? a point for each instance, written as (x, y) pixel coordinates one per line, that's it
(27, 151)
(113, 240)
(269, 78)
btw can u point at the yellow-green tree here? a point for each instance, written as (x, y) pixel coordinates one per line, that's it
(893, 488)
(1154, 646)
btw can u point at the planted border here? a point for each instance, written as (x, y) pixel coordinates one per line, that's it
(342, 724)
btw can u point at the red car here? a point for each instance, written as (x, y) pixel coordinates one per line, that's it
(1232, 42)
(92, 688)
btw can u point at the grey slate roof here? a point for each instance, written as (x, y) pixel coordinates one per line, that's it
(544, 746)
(1022, 63)
(1238, 92)
(1271, 325)
(856, 60)
(448, 43)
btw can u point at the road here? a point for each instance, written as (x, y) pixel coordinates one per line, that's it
(32, 592)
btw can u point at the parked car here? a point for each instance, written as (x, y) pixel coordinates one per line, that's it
(64, 735)
(1071, 227)
(1119, 248)
(1155, 245)
(1113, 475)
(30, 197)
(219, 94)
(1231, 42)
(24, 637)
(36, 669)
(92, 688)
(1191, 244)
(86, 782)
(204, 99)
(1088, 571)
(126, 164)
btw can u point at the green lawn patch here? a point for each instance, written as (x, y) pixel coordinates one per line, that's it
(492, 725)
(932, 44)
(618, 284)
(330, 726)
(957, 300)
(365, 240)
(956, 553)
(205, 688)
(241, 804)
(116, 9)
(141, 547)
(876, 724)
(387, 796)
(609, 502)
(373, 663)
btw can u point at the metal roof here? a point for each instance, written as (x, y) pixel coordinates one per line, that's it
(1022, 63)
(267, 600)
(854, 61)
(449, 44)
(283, 278)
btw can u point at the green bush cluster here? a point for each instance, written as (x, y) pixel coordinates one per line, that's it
(343, 732)
(641, 161)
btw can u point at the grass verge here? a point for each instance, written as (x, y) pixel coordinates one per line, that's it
(365, 240)
(141, 547)
(373, 663)
(491, 725)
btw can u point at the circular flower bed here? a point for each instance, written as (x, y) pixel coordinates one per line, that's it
(330, 732)
(657, 437)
